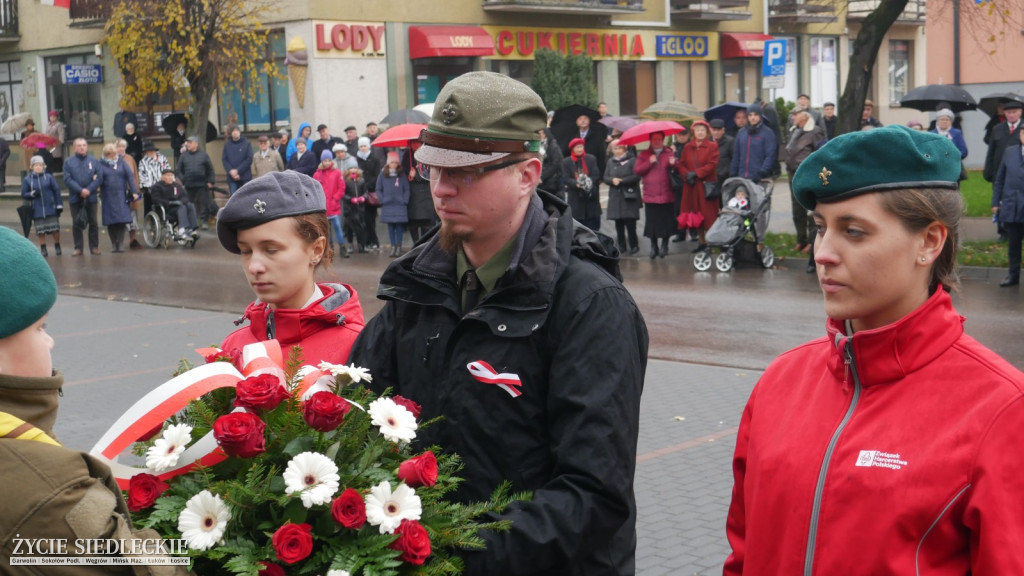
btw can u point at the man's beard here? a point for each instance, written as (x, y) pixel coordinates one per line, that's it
(449, 240)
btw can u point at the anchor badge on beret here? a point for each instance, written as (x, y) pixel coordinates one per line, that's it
(260, 206)
(449, 113)
(824, 174)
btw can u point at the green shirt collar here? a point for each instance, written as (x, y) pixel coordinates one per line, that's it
(489, 272)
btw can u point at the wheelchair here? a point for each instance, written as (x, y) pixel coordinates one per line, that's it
(160, 228)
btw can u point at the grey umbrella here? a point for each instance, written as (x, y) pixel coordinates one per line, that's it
(405, 116)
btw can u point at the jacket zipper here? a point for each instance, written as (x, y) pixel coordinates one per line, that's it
(270, 324)
(819, 489)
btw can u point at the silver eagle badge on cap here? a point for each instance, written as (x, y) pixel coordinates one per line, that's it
(260, 206)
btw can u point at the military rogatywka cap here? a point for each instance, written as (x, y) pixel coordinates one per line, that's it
(888, 158)
(479, 117)
(269, 197)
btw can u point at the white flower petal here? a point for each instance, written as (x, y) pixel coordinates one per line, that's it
(164, 453)
(396, 423)
(203, 521)
(338, 573)
(386, 509)
(314, 476)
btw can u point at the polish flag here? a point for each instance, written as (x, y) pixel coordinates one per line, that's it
(57, 3)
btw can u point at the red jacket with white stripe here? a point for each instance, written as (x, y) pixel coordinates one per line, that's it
(895, 451)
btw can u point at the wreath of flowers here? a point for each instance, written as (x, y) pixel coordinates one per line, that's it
(319, 478)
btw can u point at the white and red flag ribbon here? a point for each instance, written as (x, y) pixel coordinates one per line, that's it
(485, 373)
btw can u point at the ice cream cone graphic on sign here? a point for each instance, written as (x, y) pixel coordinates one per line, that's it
(297, 59)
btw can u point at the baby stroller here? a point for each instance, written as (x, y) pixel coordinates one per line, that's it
(739, 232)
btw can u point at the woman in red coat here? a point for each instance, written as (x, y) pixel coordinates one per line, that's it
(652, 165)
(698, 164)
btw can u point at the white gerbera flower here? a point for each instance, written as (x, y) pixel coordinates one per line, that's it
(314, 475)
(354, 373)
(386, 509)
(396, 423)
(338, 573)
(203, 520)
(163, 454)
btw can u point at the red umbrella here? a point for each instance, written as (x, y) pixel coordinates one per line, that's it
(398, 136)
(39, 140)
(642, 132)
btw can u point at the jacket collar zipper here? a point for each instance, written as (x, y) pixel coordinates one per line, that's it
(819, 489)
(270, 324)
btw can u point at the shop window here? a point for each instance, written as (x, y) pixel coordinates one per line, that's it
(11, 99)
(899, 69)
(431, 74)
(269, 110)
(79, 105)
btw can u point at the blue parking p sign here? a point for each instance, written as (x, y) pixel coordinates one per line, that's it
(774, 58)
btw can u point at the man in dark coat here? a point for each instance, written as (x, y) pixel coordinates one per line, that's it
(805, 137)
(725, 148)
(518, 331)
(325, 141)
(829, 119)
(5, 153)
(594, 138)
(1002, 135)
(551, 168)
(195, 170)
(83, 179)
(236, 158)
(755, 154)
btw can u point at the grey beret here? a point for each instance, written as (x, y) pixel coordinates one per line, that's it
(269, 197)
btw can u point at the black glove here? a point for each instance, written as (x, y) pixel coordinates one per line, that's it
(60, 208)
(691, 178)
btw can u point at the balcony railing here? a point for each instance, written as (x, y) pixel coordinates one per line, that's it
(89, 12)
(711, 10)
(913, 14)
(598, 7)
(9, 21)
(801, 12)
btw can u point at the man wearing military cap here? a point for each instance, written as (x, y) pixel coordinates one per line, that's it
(510, 321)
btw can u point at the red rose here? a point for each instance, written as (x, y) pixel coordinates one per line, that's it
(408, 405)
(240, 434)
(293, 542)
(419, 471)
(349, 510)
(413, 542)
(324, 411)
(270, 570)
(263, 392)
(143, 490)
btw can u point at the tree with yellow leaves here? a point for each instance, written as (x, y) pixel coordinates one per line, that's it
(193, 45)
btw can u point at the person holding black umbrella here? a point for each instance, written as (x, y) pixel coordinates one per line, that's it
(1008, 204)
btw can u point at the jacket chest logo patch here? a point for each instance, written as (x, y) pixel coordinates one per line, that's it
(880, 459)
(484, 372)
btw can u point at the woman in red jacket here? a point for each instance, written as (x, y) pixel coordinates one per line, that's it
(652, 166)
(698, 164)
(328, 175)
(277, 223)
(893, 444)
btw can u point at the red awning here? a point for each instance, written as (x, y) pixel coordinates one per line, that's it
(735, 45)
(449, 41)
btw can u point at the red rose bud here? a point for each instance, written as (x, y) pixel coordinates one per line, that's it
(324, 411)
(263, 392)
(408, 405)
(419, 471)
(240, 434)
(293, 542)
(413, 542)
(143, 490)
(349, 509)
(270, 570)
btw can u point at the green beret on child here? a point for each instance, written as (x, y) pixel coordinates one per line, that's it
(27, 286)
(888, 158)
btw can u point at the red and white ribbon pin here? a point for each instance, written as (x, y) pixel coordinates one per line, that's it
(508, 382)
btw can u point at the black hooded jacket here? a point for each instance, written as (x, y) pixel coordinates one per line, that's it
(561, 320)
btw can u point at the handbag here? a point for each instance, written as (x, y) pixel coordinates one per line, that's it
(630, 193)
(675, 179)
(712, 191)
(82, 218)
(372, 199)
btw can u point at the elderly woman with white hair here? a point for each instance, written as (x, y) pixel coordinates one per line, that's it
(944, 127)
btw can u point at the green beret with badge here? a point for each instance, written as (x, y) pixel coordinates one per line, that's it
(889, 158)
(27, 287)
(479, 117)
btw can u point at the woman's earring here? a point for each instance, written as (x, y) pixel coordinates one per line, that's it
(923, 259)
